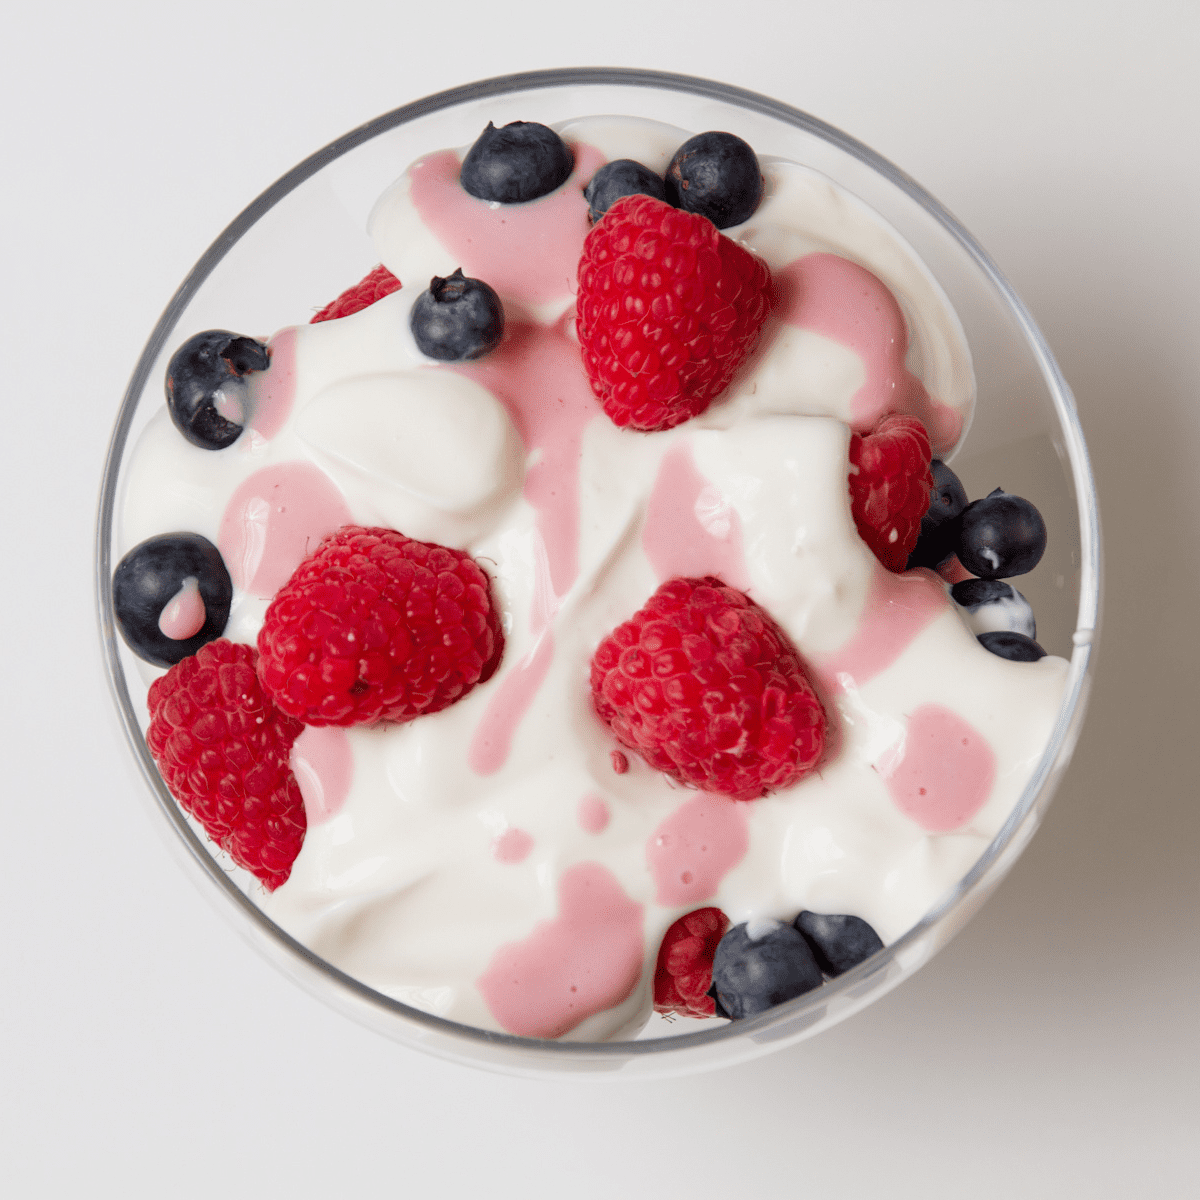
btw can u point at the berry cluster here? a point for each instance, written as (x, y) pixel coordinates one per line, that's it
(993, 539)
(705, 968)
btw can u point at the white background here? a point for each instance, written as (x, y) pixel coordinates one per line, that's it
(1051, 1051)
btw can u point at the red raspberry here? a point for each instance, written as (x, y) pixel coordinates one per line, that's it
(373, 626)
(890, 481)
(683, 974)
(705, 686)
(222, 749)
(374, 286)
(668, 310)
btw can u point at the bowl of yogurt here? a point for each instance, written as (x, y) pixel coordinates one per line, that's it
(493, 880)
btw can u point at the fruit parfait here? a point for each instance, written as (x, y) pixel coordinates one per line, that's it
(574, 630)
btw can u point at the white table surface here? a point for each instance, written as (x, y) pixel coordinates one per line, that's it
(1051, 1051)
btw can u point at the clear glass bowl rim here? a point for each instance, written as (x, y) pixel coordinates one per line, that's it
(1058, 748)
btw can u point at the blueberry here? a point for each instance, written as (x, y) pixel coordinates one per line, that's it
(622, 177)
(716, 175)
(752, 974)
(151, 575)
(939, 533)
(1014, 646)
(838, 940)
(457, 318)
(521, 161)
(993, 606)
(1001, 536)
(205, 388)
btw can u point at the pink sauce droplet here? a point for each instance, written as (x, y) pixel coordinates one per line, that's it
(840, 300)
(898, 608)
(941, 774)
(323, 764)
(593, 813)
(584, 960)
(184, 615)
(272, 391)
(530, 251)
(512, 846)
(274, 520)
(691, 529)
(695, 847)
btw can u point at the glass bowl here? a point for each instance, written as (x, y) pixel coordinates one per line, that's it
(1025, 432)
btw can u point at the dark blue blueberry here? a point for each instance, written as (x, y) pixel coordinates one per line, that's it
(718, 1009)
(205, 376)
(939, 533)
(520, 161)
(993, 606)
(622, 177)
(457, 318)
(1015, 646)
(716, 175)
(753, 974)
(838, 940)
(1001, 536)
(151, 575)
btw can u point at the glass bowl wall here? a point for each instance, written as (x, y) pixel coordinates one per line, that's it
(301, 241)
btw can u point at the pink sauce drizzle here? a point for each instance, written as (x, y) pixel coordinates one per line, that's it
(272, 391)
(537, 374)
(593, 813)
(323, 764)
(586, 959)
(512, 846)
(274, 520)
(691, 528)
(695, 847)
(898, 608)
(184, 615)
(530, 251)
(840, 300)
(941, 774)
(493, 736)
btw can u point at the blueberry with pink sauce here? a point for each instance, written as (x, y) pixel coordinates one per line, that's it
(206, 386)
(171, 595)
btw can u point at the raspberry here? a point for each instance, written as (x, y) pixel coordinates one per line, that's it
(374, 626)
(668, 310)
(705, 686)
(374, 286)
(222, 749)
(683, 975)
(890, 482)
